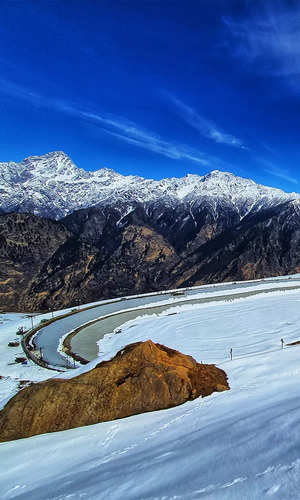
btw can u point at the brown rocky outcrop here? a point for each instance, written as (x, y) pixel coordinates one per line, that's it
(142, 377)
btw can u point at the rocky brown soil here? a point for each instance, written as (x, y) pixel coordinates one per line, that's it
(142, 377)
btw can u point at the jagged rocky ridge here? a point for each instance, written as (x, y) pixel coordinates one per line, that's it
(223, 228)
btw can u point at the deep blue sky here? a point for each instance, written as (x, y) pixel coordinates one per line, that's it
(154, 88)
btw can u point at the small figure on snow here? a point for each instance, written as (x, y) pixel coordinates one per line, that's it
(231, 353)
(282, 342)
(20, 330)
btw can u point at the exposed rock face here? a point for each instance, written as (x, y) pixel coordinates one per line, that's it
(142, 377)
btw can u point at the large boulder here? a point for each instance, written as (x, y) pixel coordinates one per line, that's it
(141, 377)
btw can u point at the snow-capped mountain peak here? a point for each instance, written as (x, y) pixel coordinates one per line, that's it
(52, 185)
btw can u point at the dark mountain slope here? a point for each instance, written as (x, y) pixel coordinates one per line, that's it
(106, 252)
(26, 243)
(262, 245)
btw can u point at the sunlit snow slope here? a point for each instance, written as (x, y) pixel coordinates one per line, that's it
(240, 444)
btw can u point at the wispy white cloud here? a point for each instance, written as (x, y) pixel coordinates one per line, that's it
(120, 128)
(268, 148)
(165, 148)
(206, 127)
(280, 172)
(270, 38)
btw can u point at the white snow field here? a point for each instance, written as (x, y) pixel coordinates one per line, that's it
(239, 444)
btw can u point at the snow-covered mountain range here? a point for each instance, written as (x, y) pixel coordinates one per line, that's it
(120, 235)
(53, 186)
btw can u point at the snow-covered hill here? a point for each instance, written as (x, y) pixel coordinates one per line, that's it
(239, 444)
(52, 185)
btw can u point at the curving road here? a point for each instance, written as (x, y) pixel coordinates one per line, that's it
(48, 338)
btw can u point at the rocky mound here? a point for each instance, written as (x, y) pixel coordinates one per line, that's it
(141, 377)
